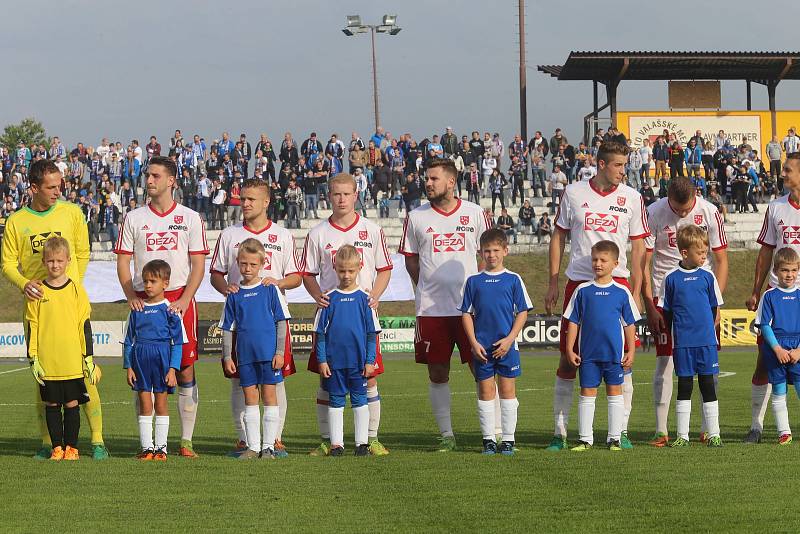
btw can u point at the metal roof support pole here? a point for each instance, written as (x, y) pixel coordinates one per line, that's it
(749, 97)
(771, 86)
(611, 91)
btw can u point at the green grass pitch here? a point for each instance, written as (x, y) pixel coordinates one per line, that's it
(413, 489)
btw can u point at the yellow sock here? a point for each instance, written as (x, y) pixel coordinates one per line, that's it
(39, 407)
(94, 413)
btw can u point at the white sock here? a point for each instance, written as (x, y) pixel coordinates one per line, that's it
(759, 395)
(498, 412)
(146, 431)
(562, 402)
(162, 431)
(187, 409)
(486, 418)
(662, 392)
(283, 405)
(627, 400)
(361, 420)
(440, 403)
(269, 424)
(508, 408)
(683, 413)
(586, 419)
(336, 426)
(323, 413)
(711, 412)
(237, 409)
(703, 426)
(616, 416)
(374, 406)
(781, 414)
(252, 426)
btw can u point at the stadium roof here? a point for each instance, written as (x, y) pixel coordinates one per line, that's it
(761, 67)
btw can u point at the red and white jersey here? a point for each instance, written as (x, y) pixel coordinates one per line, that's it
(280, 260)
(781, 228)
(663, 241)
(324, 240)
(171, 236)
(447, 244)
(590, 215)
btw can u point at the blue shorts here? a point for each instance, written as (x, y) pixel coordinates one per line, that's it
(509, 366)
(777, 371)
(690, 361)
(591, 373)
(344, 381)
(150, 363)
(259, 373)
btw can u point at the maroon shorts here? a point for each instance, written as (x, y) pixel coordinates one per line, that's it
(313, 364)
(435, 338)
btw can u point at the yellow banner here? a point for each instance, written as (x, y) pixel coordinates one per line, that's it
(736, 328)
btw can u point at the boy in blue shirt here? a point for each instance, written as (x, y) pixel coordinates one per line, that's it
(603, 349)
(690, 298)
(258, 314)
(494, 310)
(154, 339)
(778, 319)
(346, 348)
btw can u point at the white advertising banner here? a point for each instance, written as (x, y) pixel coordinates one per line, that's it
(738, 128)
(108, 338)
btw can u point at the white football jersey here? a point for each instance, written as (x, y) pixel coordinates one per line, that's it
(280, 260)
(171, 236)
(781, 228)
(324, 240)
(447, 245)
(590, 216)
(663, 242)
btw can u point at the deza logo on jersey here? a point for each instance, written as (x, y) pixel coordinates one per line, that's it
(601, 222)
(161, 241)
(451, 242)
(791, 235)
(38, 240)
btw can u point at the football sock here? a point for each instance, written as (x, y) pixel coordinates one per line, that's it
(759, 395)
(440, 403)
(72, 426)
(498, 418)
(508, 408)
(146, 432)
(252, 426)
(683, 412)
(486, 418)
(336, 425)
(627, 399)
(270, 422)
(562, 402)
(94, 413)
(586, 419)
(323, 414)
(781, 414)
(374, 405)
(55, 425)
(616, 416)
(237, 409)
(662, 392)
(187, 408)
(711, 411)
(162, 431)
(361, 419)
(703, 425)
(283, 405)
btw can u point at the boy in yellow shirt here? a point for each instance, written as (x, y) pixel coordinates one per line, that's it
(59, 337)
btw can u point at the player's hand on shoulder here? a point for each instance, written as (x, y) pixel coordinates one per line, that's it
(373, 302)
(369, 371)
(170, 379)
(322, 300)
(324, 370)
(33, 290)
(131, 377)
(136, 304)
(269, 281)
(179, 306)
(232, 288)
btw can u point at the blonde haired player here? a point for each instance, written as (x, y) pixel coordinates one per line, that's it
(25, 233)
(346, 227)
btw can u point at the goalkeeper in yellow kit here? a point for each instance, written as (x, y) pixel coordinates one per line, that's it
(23, 240)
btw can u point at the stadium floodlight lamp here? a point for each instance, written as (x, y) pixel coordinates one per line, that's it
(395, 30)
(353, 21)
(389, 20)
(383, 29)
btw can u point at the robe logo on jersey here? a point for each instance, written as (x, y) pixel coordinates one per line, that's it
(178, 219)
(450, 242)
(157, 241)
(698, 219)
(464, 219)
(791, 235)
(273, 238)
(601, 222)
(38, 240)
(621, 201)
(363, 234)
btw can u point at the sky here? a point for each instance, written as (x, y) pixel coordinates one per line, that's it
(91, 69)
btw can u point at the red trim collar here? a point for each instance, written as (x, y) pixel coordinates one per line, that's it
(267, 227)
(792, 202)
(447, 213)
(170, 210)
(355, 222)
(601, 193)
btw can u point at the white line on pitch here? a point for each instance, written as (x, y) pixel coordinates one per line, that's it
(13, 371)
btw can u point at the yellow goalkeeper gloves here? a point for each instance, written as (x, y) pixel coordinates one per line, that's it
(36, 370)
(91, 371)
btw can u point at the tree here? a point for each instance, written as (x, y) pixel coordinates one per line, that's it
(29, 131)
